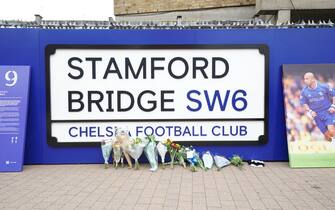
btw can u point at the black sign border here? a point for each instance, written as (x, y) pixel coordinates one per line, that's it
(263, 49)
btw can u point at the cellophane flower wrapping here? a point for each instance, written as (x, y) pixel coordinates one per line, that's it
(117, 154)
(190, 158)
(236, 161)
(135, 150)
(176, 151)
(162, 150)
(151, 152)
(200, 163)
(106, 149)
(194, 159)
(181, 156)
(207, 158)
(221, 161)
(172, 152)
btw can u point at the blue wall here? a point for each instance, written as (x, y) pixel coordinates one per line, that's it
(287, 46)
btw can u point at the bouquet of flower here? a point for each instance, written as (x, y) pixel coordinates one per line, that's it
(208, 160)
(106, 148)
(190, 155)
(150, 151)
(236, 161)
(176, 151)
(162, 149)
(221, 161)
(194, 159)
(117, 155)
(122, 139)
(181, 156)
(135, 150)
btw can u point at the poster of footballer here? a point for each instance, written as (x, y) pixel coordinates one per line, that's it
(309, 99)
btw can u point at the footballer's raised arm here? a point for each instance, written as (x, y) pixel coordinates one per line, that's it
(310, 113)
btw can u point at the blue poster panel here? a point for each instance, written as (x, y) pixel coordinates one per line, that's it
(14, 90)
(310, 114)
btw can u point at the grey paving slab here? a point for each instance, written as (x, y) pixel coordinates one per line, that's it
(275, 186)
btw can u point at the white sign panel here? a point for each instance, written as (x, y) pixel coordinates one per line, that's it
(187, 93)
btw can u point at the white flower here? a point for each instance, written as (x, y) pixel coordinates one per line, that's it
(221, 161)
(162, 150)
(208, 160)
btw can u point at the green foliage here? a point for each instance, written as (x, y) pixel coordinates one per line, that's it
(151, 138)
(236, 161)
(137, 140)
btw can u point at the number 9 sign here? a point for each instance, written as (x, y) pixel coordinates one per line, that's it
(11, 78)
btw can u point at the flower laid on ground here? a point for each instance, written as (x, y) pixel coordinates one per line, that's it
(221, 161)
(236, 161)
(162, 150)
(135, 150)
(181, 156)
(106, 148)
(117, 155)
(200, 162)
(194, 159)
(151, 152)
(190, 155)
(122, 139)
(176, 151)
(207, 158)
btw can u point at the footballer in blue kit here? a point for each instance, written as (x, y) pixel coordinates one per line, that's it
(319, 103)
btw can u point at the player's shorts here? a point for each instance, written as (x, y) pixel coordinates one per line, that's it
(323, 119)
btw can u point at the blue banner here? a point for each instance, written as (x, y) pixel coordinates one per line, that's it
(14, 90)
(286, 46)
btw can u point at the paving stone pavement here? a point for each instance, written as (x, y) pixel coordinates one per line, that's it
(90, 186)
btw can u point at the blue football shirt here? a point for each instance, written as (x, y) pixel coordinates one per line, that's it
(318, 99)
